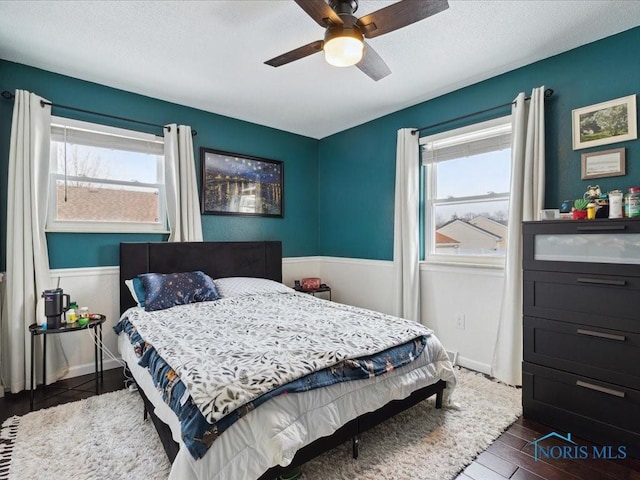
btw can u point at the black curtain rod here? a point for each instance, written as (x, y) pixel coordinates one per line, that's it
(547, 93)
(11, 96)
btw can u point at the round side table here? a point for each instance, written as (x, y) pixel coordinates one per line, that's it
(95, 322)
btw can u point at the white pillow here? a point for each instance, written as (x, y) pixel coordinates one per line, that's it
(236, 286)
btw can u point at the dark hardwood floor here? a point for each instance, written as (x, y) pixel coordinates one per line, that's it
(63, 391)
(509, 457)
(512, 457)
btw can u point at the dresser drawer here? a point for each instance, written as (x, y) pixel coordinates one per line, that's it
(601, 401)
(601, 246)
(604, 301)
(604, 354)
(588, 408)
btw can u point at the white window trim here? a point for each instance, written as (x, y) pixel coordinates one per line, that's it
(70, 226)
(495, 126)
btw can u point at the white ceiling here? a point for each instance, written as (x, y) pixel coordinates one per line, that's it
(209, 54)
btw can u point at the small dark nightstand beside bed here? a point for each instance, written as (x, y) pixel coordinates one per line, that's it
(95, 323)
(314, 291)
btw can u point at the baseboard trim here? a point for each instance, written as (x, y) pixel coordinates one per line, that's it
(474, 365)
(87, 368)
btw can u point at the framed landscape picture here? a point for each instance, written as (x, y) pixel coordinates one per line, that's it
(604, 123)
(235, 184)
(609, 163)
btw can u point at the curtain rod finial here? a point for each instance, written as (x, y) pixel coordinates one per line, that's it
(8, 95)
(548, 92)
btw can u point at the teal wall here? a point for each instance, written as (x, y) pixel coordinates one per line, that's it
(357, 166)
(339, 190)
(298, 230)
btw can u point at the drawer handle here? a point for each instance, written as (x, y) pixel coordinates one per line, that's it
(608, 336)
(598, 388)
(602, 281)
(601, 228)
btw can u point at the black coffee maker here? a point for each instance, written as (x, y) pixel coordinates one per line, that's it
(54, 306)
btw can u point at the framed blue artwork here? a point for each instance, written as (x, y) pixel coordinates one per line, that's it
(235, 184)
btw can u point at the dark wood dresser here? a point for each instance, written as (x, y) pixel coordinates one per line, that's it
(581, 297)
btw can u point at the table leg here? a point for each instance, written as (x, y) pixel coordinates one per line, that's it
(44, 364)
(95, 353)
(33, 367)
(101, 357)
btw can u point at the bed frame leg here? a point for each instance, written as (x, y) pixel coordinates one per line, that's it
(145, 414)
(355, 443)
(439, 396)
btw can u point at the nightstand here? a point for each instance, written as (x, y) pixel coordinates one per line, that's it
(35, 329)
(322, 289)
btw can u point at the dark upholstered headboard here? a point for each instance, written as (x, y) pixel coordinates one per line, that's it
(216, 259)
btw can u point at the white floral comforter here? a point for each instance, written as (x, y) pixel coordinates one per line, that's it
(233, 350)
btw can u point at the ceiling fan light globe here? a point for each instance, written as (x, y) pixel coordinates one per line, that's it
(343, 51)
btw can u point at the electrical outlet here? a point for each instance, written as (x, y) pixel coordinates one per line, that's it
(460, 321)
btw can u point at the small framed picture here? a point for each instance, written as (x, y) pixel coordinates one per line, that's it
(607, 163)
(604, 123)
(235, 184)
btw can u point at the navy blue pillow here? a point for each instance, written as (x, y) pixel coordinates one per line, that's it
(165, 290)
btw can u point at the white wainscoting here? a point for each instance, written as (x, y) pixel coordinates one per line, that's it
(295, 268)
(447, 291)
(96, 288)
(475, 292)
(363, 283)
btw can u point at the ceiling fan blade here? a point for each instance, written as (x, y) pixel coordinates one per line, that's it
(399, 15)
(372, 64)
(320, 11)
(297, 54)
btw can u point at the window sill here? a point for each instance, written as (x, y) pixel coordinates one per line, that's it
(106, 230)
(426, 264)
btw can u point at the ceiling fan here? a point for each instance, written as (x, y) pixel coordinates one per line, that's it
(344, 44)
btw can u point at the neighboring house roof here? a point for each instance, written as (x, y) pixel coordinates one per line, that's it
(473, 237)
(106, 204)
(464, 224)
(443, 240)
(490, 225)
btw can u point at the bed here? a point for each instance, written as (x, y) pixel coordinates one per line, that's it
(367, 402)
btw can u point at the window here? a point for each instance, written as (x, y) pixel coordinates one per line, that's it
(466, 193)
(105, 179)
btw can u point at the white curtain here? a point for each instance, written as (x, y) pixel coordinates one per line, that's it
(526, 200)
(183, 206)
(406, 236)
(27, 257)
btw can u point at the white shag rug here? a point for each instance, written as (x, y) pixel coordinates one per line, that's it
(105, 438)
